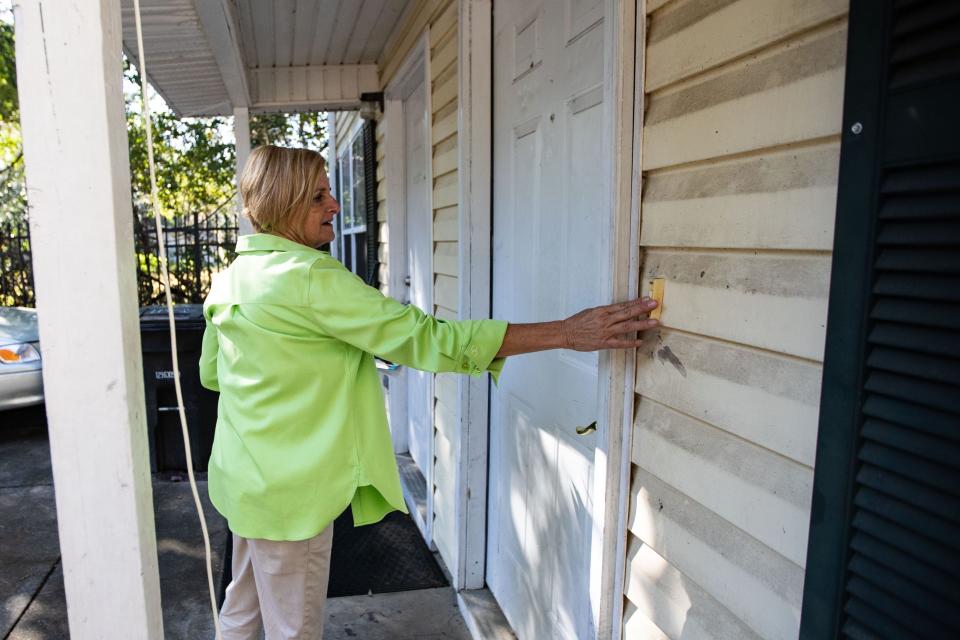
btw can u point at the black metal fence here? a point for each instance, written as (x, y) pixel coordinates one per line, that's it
(16, 269)
(198, 246)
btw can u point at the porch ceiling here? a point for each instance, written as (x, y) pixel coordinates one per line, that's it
(206, 57)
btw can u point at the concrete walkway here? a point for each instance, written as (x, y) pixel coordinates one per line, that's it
(32, 599)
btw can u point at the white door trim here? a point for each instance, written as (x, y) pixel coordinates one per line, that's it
(475, 147)
(612, 463)
(414, 67)
(393, 170)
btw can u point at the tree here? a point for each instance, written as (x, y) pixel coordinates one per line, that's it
(16, 277)
(306, 130)
(13, 200)
(195, 160)
(9, 104)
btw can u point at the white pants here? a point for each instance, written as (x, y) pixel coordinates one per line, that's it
(281, 586)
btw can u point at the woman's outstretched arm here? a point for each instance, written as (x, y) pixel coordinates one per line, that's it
(592, 329)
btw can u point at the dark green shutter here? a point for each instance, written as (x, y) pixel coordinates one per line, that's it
(884, 552)
(370, 189)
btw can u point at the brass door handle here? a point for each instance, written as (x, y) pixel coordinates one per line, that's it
(590, 428)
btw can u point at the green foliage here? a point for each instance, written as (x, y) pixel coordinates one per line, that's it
(9, 105)
(306, 130)
(195, 165)
(13, 197)
(195, 162)
(16, 280)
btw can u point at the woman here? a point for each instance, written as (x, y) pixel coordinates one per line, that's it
(302, 431)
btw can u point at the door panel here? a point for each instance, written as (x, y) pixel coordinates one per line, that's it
(419, 256)
(551, 202)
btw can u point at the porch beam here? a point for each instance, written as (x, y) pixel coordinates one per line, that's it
(78, 186)
(219, 21)
(313, 87)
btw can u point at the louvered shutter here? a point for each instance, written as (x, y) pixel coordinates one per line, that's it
(370, 194)
(884, 550)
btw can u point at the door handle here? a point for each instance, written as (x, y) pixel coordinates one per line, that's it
(590, 428)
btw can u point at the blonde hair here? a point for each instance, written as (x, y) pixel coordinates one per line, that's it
(277, 187)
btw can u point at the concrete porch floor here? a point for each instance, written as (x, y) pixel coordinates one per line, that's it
(31, 576)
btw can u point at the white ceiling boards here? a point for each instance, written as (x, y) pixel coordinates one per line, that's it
(208, 56)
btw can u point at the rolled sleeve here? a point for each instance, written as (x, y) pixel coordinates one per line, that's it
(348, 309)
(209, 351)
(480, 354)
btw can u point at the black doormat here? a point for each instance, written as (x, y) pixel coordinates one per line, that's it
(377, 558)
(380, 558)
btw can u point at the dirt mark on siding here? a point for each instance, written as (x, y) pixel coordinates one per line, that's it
(665, 354)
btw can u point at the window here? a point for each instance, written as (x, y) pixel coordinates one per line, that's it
(351, 190)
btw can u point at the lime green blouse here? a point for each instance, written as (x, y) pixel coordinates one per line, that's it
(302, 428)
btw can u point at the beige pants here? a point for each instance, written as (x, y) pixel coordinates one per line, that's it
(281, 586)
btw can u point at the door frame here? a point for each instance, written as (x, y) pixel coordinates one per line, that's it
(475, 172)
(416, 65)
(624, 33)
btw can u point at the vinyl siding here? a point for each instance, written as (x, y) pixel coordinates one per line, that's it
(420, 15)
(439, 19)
(740, 151)
(443, 104)
(346, 121)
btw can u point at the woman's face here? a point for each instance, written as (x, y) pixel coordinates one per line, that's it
(318, 223)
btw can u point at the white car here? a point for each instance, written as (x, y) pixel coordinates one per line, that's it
(21, 379)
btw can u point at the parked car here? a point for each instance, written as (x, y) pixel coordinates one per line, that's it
(21, 380)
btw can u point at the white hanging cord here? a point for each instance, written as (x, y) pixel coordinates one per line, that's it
(165, 278)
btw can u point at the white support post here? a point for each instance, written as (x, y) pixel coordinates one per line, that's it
(475, 154)
(332, 175)
(81, 225)
(241, 132)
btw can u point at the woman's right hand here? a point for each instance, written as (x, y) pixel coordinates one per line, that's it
(603, 327)
(606, 327)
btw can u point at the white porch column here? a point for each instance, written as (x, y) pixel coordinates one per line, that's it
(241, 131)
(81, 226)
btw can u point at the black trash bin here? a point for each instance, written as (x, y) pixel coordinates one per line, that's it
(163, 420)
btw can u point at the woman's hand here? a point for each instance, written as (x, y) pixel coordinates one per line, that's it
(603, 327)
(606, 327)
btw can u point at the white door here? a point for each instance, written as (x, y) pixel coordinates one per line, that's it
(419, 258)
(551, 201)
